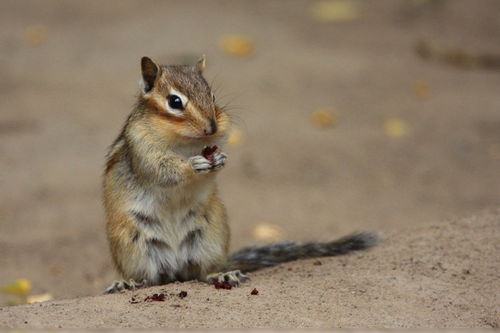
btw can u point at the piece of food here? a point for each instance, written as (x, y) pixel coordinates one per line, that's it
(208, 153)
(155, 298)
(254, 292)
(223, 285)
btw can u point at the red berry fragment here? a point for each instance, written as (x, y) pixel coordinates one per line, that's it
(208, 153)
(254, 292)
(155, 298)
(222, 285)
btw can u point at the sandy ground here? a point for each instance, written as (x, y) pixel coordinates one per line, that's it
(437, 275)
(68, 75)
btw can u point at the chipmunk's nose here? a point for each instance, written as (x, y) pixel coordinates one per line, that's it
(212, 129)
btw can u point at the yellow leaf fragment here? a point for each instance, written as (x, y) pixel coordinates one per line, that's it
(20, 287)
(54, 269)
(267, 232)
(39, 298)
(235, 137)
(395, 127)
(335, 10)
(35, 35)
(324, 117)
(237, 45)
(421, 89)
(12, 302)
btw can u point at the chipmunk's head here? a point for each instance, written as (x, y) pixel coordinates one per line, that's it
(180, 102)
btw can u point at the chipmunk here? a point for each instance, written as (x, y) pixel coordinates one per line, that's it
(165, 220)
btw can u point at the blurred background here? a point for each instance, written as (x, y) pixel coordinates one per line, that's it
(349, 115)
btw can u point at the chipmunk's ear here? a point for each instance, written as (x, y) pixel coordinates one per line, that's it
(150, 72)
(200, 65)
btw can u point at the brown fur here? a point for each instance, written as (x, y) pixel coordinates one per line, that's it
(150, 186)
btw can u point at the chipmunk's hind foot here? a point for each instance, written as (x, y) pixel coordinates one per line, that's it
(120, 285)
(234, 278)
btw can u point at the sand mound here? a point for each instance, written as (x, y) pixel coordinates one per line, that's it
(438, 275)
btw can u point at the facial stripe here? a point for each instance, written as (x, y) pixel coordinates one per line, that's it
(158, 105)
(197, 116)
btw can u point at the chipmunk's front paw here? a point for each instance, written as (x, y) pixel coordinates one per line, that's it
(219, 160)
(119, 285)
(234, 278)
(200, 164)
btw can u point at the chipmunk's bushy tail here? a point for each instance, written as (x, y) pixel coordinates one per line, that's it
(253, 258)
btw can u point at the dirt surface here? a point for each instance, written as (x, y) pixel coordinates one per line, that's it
(68, 76)
(437, 275)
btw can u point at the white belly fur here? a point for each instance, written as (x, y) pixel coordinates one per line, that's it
(169, 207)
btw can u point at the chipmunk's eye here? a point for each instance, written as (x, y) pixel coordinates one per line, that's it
(175, 102)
